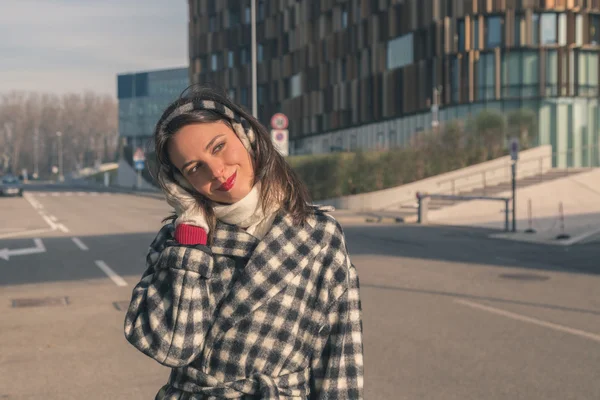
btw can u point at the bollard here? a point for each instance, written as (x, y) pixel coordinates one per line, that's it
(529, 218)
(561, 215)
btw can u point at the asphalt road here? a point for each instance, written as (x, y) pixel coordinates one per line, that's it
(448, 312)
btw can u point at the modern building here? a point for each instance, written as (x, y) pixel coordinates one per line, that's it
(143, 96)
(366, 73)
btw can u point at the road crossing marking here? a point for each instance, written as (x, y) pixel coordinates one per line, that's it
(111, 274)
(80, 244)
(535, 321)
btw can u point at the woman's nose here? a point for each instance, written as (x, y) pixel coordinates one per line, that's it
(216, 169)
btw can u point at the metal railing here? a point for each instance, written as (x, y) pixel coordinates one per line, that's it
(535, 167)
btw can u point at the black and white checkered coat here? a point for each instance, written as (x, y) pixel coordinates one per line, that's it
(277, 318)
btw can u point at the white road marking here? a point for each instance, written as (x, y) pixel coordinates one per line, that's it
(94, 193)
(62, 228)
(40, 210)
(42, 195)
(111, 274)
(80, 244)
(39, 248)
(535, 321)
(49, 222)
(55, 194)
(24, 233)
(53, 218)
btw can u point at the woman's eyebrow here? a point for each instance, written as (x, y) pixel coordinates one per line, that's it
(207, 146)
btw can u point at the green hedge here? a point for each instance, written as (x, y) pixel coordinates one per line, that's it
(455, 146)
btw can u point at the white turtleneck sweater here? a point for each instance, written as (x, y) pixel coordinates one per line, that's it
(248, 213)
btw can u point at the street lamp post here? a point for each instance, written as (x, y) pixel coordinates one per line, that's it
(253, 50)
(61, 177)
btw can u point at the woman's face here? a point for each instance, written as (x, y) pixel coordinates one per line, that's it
(213, 160)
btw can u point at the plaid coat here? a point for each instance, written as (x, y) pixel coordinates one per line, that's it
(277, 318)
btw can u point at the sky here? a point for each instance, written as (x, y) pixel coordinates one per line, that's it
(66, 46)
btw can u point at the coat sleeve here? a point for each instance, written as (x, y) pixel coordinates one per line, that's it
(170, 308)
(337, 373)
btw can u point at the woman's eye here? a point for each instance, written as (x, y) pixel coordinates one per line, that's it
(218, 147)
(193, 169)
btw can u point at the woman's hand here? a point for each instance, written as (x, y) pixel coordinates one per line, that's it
(189, 212)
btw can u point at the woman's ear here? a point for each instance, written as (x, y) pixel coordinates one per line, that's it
(180, 179)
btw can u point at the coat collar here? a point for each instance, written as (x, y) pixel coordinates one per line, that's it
(273, 263)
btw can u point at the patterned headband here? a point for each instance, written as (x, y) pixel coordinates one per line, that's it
(240, 125)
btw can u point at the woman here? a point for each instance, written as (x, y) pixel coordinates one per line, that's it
(249, 291)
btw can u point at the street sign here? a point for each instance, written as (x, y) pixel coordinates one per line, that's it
(139, 155)
(280, 138)
(279, 121)
(138, 165)
(513, 147)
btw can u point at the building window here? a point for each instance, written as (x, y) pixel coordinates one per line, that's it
(579, 29)
(213, 62)
(244, 56)
(259, 53)
(519, 21)
(344, 17)
(535, 29)
(551, 73)
(476, 33)
(244, 96)
(343, 70)
(392, 139)
(588, 73)
(231, 94)
(230, 59)
(455, 80)
(460, 31)
(595, 29)
(511, 74)
(247, 15)
(493, 36)
(548, 32)
(295, 86)
(234, 18)
(261, 95)
(400, 51)
(353, 142)
(212, 23)
(486, 71)
(562, 29)
(260, 10)
(531, 77)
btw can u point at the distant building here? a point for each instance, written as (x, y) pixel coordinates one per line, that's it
(143, 96)
(365, 73)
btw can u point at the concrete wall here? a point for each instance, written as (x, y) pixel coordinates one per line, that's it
(127, 177)
(531, 162)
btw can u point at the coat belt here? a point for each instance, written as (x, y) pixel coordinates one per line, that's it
(291, 386)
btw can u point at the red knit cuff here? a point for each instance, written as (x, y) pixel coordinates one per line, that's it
(190, 234)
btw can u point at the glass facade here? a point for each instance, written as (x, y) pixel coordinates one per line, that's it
(357, 64)
(143, 96)
(400, 51)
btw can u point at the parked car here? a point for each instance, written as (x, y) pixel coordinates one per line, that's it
(11, 186)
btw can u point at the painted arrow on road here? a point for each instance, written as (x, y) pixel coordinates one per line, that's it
(39, 248)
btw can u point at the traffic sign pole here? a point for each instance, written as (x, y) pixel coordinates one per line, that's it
(514, 155)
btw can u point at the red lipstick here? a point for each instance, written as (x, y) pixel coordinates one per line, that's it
(228, 184)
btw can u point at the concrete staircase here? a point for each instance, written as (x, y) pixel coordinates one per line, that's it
(496, 190)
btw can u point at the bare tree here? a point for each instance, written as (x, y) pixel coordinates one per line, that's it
(29, 123)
